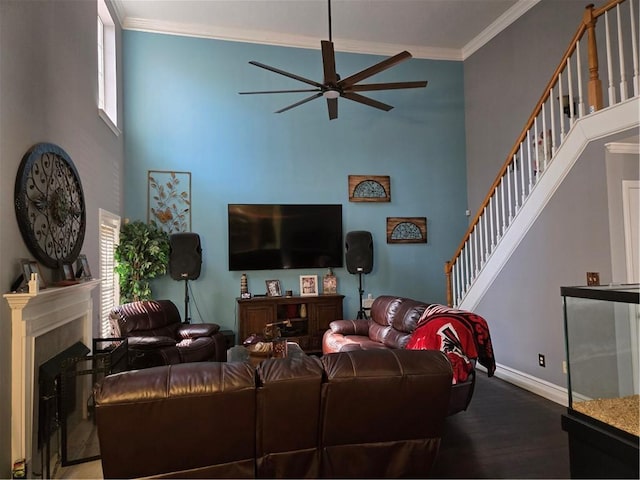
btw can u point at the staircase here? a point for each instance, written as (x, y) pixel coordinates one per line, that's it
(570, 114)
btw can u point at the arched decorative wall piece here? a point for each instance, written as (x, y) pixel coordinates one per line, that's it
(49, 205)
(369, 188)
(406, 230)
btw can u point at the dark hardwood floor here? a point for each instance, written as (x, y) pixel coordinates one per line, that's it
(506, 432)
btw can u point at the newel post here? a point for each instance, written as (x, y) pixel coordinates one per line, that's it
(595, 84)
(447, 272)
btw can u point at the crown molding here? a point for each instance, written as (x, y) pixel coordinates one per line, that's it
(625, 148)
(342, 45)
(501, 23)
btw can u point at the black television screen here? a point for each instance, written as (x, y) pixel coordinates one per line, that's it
(269, 237)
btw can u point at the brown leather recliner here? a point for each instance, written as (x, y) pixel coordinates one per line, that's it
(156, 335)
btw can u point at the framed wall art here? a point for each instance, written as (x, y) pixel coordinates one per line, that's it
(169, 200)
(308, 285)
(406, 230)
(369, 188)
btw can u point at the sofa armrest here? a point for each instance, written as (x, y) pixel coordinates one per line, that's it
(350, 327)
(196, 330)
(150, 342)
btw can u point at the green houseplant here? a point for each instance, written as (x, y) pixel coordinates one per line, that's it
(142, 254)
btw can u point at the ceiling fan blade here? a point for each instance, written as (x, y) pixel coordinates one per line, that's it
(286, 74)
(332, 106)
(367, 101)
(280, 91)
(377, 68)
(308, 99)
(368, 87)
(329, 63)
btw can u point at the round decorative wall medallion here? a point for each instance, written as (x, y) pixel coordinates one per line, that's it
(49, 204)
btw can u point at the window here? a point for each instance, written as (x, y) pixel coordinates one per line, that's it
(109, 285)
(107, 83)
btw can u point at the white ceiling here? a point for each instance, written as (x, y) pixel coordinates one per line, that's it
(436, 29)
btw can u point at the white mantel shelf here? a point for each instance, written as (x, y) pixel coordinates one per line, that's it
(33, 315)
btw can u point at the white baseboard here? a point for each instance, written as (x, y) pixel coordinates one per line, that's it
(536, 385)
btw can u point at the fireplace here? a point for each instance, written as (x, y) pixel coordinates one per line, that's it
(40, 323)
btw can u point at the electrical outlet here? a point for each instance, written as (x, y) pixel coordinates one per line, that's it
(564, 366)
(593, 278)
(541, 360)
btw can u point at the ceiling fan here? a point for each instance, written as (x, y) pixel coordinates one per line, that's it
(333, 86)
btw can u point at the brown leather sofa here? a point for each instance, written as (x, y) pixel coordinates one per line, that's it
(156, 335)
(367, 414)
(392, 322)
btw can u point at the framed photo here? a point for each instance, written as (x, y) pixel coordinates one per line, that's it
(329, 284)
(273, 288)
(29, 267)
(308, 285)
(406, 230)
(169, 200)
(369, 188)
(67, 272)
(82, 267)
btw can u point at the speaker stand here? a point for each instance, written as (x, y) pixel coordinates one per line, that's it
(186, 301)
(362, 315)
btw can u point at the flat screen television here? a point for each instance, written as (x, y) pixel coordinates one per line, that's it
(270, 237)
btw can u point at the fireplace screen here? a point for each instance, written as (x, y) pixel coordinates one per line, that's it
(66, 399)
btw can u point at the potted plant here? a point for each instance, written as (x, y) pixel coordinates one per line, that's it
(142, 254)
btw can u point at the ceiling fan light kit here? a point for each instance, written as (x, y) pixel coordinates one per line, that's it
(333, 87)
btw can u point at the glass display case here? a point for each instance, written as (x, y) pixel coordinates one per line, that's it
(603, 374)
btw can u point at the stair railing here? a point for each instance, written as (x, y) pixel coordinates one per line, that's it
(560, 105)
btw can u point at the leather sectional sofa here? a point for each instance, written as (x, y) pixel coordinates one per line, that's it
(394, 321)
(367, 414)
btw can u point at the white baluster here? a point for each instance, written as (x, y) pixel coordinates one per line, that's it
(504, 209)
(579, 68)
(552, 114)
(612, 89)
(485, 218)
(522, 167)
(467, 254)
(481, 252)
(634, 51)
(515, 185)
(494, 218)
(623, 76)
(546, 139)
(509, 192)
(560, 108)
(476, 266)
(536, 154)
(572, 112)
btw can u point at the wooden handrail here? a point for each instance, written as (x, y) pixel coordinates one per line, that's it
(595, 99)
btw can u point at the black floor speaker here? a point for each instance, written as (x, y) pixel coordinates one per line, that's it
(359, 254)
(185, 256)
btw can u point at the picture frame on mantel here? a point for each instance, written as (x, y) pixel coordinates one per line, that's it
(369, 188)
(29, 267)
(406, 229)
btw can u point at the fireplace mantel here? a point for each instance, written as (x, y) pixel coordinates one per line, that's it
(33, 315)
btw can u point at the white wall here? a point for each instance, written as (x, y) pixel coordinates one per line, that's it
(48, 93)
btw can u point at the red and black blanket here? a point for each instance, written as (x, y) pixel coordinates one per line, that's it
(463, 336)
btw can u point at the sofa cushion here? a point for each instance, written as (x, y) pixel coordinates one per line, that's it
(394, 319)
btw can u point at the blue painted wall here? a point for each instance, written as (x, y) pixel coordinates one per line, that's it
(183, 113)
